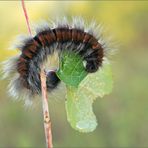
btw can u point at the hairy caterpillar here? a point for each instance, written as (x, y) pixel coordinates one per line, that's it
(85, 41)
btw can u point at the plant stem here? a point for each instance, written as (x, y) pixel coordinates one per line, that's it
(26, 16)
(47, 121)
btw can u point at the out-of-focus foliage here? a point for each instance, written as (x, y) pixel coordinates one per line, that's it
(122, 115)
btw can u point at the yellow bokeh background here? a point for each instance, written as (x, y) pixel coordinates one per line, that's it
(122, 115)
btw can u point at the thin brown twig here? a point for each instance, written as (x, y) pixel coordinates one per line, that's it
(47, 122)
(26, 17)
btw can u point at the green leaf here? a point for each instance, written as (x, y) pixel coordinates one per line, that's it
(79, 100)
(83, 89)
(99, 83)
(79, 110)
(71, 69)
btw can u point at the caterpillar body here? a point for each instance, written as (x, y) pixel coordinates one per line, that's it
(34, 52)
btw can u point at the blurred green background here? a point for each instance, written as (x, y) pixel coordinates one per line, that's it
(122, 115)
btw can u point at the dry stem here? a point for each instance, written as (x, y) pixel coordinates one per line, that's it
(47, 122)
